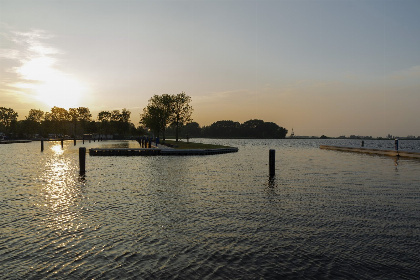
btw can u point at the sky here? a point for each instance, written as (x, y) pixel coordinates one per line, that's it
(319, 67)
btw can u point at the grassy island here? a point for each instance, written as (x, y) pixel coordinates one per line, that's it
(191, 145)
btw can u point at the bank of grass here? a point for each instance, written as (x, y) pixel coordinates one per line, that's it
(192, 145)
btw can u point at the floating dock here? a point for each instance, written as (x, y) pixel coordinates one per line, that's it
(392, 153)
(158, 152)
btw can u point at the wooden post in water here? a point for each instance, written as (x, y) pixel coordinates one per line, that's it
(74, 140)
(82, 160)
(272, 163)
(42, 145)
(62, 143)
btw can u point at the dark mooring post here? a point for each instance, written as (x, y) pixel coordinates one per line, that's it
(74, 140)
(272, 163)
(62, 143)
(42, 145)
(82, 160)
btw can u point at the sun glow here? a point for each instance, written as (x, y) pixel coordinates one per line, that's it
(50, 85)
(60, 91)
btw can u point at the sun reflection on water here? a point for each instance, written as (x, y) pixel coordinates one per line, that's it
(61, 192)
(57, 149)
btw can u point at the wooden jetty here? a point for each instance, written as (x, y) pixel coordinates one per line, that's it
(392, 153)
(157, 152)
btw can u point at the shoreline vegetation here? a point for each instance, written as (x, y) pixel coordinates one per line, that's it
(166, 116)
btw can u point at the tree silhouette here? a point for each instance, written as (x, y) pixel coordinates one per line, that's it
(181, 111)
(8, 116)
(157, 114)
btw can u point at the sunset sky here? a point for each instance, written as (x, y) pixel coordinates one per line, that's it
(319, 67)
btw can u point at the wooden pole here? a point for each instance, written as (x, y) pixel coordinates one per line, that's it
(42, 145)
(62, 143)
(272, 163)
(82, 160)
(74, 140)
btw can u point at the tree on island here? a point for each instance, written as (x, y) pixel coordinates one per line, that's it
(157, 114)
(164, 110)
(182, 112)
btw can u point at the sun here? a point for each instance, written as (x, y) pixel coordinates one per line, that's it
(52, 86)
(60, 91)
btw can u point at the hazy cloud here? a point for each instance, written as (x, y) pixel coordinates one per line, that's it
(36, 73)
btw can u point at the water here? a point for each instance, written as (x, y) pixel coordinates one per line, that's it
(325, 215)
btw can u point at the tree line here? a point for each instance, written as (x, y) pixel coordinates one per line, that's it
(230, 129)
(166, 114)
(170, 115)
(60, 122)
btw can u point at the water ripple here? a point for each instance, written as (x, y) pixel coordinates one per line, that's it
(324, 215)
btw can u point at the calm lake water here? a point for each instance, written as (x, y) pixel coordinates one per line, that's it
(325, 215)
